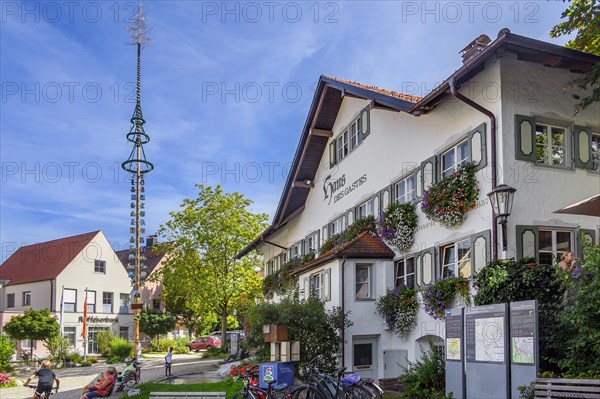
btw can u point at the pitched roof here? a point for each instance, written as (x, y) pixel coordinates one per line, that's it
(364, 246)
(152, 258)
(391, 93)
(43, 261)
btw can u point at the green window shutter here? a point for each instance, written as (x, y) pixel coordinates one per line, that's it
(365, 117)
(418, 185)
(428, 172)
(303, 247)
(332, 154)
(327, 284)
(350, 216)
(477, 146)
(480, 250)
(306, 284)
(584, 237)
(428, 269)
(377, 206)
(525, 138)
(527, 242)
(418, 274)
(582, 147)
(317, 243)
(325, 231)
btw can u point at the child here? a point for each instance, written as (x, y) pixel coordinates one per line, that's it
(168, 362)
(46, 378)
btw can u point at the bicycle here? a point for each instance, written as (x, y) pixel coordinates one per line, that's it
(43, 396)
(323, 386)
(252, 390)
(130, 379)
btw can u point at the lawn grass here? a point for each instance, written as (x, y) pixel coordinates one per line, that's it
(227, 386)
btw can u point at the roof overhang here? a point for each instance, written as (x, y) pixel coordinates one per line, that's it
(587, 207)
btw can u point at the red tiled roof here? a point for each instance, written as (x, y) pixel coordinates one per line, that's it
(43, 261)
(361, 247)
(391, 93)
(152, 258)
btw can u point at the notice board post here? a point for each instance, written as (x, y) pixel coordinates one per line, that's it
(455, 358)
(487, 352)
(524, 339)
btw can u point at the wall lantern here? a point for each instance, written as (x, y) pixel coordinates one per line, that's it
(501, 199)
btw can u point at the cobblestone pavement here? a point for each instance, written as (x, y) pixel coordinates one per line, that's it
(72, 380)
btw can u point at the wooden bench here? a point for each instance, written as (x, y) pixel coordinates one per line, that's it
(566, 388)
(189, 395)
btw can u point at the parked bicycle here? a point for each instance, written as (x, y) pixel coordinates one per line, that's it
(252, 390)
(322, 386)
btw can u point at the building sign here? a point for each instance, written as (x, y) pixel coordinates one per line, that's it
(94, 319)
(336, 189)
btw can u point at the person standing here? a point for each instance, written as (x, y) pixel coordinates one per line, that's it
(567, 261)
(168, 361)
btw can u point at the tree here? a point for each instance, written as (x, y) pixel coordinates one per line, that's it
(34, 325)
(7, 349)
(206, 235)
(583, 18)
(153, 322)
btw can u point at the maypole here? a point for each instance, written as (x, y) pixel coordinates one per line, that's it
(137, 165)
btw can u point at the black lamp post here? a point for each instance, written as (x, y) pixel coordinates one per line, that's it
(501, 199)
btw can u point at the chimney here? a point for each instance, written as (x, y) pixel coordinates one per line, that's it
(151, 241)
(474, 48)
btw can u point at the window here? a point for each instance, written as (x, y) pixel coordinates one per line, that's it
(312, 243)
(552, 244)
(342, 146)
(550, 145)
(363, 355)
(91, 301)
(405, 272)
(69, 300)
(270, 268)
(336, 227)
(123, 303)
(10, 300)
(316, 286)
(454, 158)
(596, 151)
(27, 298)
(124, 332)
(107, 302)
(363, 282)
(366, 209)
(406, 190)
(456, 259)
(100, 266)
(355, 133)
(352, 136)
(92, 338)
(26, 344)
(295, 250)
(156, 303)
(70, 334)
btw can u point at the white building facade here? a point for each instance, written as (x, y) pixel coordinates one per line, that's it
(57, 274)
(363, 147)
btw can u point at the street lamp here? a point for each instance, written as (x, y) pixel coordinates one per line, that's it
(501, 199)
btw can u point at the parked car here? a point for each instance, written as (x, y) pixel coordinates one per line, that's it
(241, 333)
(206, 342)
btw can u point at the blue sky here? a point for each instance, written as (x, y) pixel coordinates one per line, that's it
(226, 87)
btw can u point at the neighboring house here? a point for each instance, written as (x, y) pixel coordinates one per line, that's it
(151, 291)
(363, 147)
(48, 274)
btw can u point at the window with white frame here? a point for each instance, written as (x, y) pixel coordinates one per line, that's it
(295, 250)
(366, 209)
(352, 136)
(406, 189)
(550, 144)
(356, 134)
(405, 273)
(124, 332)
(123, 303)
(453, 158)
(27, 298)
(335, 227)
(596, 151)
(270, 267)
(70, 334)
(107, 302)
(552, 244)
(312, 243)
(317, 286)
(69, 300)
(342, 146)
(100, 266)
(363, 282)
(10, 300)
(91, 301)
(456, 259)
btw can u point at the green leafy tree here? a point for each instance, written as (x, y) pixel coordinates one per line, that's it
(583, 20)
(154, 322)
(319, 331)
(7, 348)
(206, 235)
(58, 347)
(32, 325)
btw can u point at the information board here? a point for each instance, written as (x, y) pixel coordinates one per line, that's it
(524, 339)
(455, 365)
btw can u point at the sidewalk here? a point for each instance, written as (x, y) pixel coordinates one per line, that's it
(72, 380)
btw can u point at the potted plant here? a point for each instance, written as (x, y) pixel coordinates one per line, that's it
(397, 225)
(438, 296)
(398, 307)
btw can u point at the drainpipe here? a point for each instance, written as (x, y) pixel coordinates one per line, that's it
(492, 117)
(343, 312)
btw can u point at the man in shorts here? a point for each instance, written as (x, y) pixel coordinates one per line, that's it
(46, 378)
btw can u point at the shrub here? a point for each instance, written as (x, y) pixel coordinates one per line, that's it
(425, 378)
(120, 349)
(58, 347)
(6, 381)
(85, 363)
(399, 308)
(240, 370)
(104, 339)
(74, 357)
(163, 345)
(7, 349)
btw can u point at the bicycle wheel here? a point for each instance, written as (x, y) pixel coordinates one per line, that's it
(369, 386)
(244, 395)
(356, 392)
(306, 392)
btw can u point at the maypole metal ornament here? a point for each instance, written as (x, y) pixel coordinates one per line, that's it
(138, 166)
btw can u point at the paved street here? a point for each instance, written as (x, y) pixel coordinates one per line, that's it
(72, 380)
